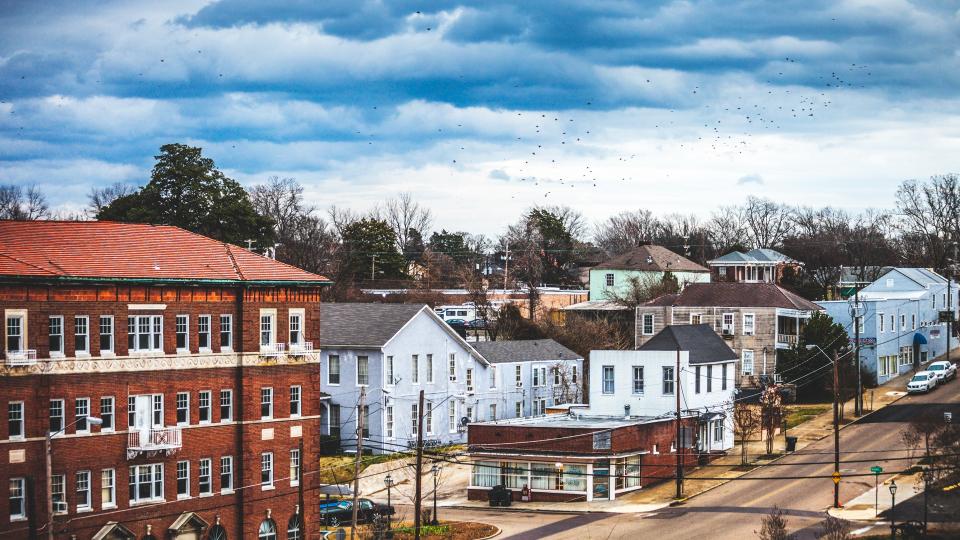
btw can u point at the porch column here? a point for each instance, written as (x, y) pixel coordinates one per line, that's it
(326, 424)
(589, 482)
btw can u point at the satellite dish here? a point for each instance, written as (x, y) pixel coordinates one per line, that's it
(464, 421)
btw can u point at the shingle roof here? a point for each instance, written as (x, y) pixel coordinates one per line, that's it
(761, 255)
(703, 344)
(661, 260)
(363, 325)
(922, 276)
(529, 350)
(732, 294)
(111, 250)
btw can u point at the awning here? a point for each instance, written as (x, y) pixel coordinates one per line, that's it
(919, 339)
(712, 416)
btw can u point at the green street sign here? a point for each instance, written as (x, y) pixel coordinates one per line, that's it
(876, 469)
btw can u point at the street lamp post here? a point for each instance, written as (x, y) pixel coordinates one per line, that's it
(388, 481)
(436, 478)
(893, 506)
(48, 450)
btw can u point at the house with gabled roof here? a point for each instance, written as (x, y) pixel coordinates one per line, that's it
(756, 319)
(899, 319)
(761, 265)
(650, 262)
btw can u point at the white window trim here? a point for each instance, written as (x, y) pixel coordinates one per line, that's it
(653, 324)
(225, 348)
(219, 402)
(389, 373)
(269, 485)
(753, 362)
(272, 402)
(186, 341)
(753, 320)
(181, 496)
(414, 370)
(24, 337)
(176, 403)
(23, 420)
(209, 406)
(452, 408)
(357, 370)
(698, 315)
(77, 429)
(113, 412)
(200, 491)
(302, 313)
(226, 490)
(113, 489)
(84, 352)
(88, 505)
(23, 493)
(113, 336)
(429, 359)
(299, 400)
(209, 347)
(272, 313)
(63, 342)
(294, 481)
(339, 370)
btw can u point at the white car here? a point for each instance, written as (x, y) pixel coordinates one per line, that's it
(945, 371)
(923, 381)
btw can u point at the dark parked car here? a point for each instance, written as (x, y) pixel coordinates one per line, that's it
(456, 322)
(338, 512)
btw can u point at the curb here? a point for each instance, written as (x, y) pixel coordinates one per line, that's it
(527, 510)
(494, 535)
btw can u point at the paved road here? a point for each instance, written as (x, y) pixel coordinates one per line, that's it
(734, 510)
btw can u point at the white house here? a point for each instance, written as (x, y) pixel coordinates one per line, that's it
(644, 382)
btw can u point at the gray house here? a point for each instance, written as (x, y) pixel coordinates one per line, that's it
(532, 375)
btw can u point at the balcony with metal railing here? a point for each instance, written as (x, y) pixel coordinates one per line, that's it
(275, 350)
(26, 357)
(786, 341)
(154, 441)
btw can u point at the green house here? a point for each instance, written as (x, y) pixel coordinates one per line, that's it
(646, 262)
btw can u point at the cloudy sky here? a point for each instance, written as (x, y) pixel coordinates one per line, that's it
(481, 109)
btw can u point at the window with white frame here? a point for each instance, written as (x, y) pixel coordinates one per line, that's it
(83, 490)
(58, 493)
(18, 499)
(892, 323)
(81, 409)
(492, 372)
(723, 377)
(388, 412)
(226, 473)
(728, 328)
(718, 432)
(182, 331)
(266, 403)
(903, 322)
(183, 479)
(493, 412)
(295, 467)
(107, 415)
(183, 408)
(518, 375)
(695, 318)
(106, 334)
(388, 372)
(226, 405)
(453, 367)
(746, 362)
(608, 381)
(710, 378)
(452, 421)
(81, 335)
(913, 321)
(295, 400)
(204, 412)
(267, 329)
(428, 418)
(108, 488)
(518, 409)
(638, 379)
(16, 341)
(56, 335)
(429, 369)
(333, 369)
(697, 372)
(415, 369)
(15, 426)
(204, 477)
(609, 280)
(556, 375)
(469, 379)
(157, 410)
(203, 332)
(296, 328)
(669, 378)
(573, 376)
(363, 371)
(749, 324)
(145, 333)
(266, 469)
(648, 326)
(56, 416)
(146, 483)
(226, 332)
(414, 418)
(880, 321)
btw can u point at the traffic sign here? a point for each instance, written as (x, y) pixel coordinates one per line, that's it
(836, 478)
(876, 469)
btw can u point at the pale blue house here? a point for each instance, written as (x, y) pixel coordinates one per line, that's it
(899, 320)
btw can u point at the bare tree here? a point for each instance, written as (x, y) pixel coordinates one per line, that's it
(834, 529)
(771, 413)
(626, 230)
(570, 389)
(928, 211)
(728, 229)
(643, 288)
(773, 526)
(100, 198)
(746, 421)
(769, 222)
(282, 200)
(404, 215)
(23, 204)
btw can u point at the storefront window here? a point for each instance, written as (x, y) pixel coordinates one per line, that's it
(632, 472)
(575, 478)
(486, 474)
(542, 476)
(514, 474)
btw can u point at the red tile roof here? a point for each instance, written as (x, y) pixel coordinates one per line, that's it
(112, 250)
(731, 294)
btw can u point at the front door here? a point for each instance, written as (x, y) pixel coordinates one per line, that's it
(601, 480)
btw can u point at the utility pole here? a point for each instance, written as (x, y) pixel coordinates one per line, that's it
(836, 430)
(858, 401)
(506, 266)
(373, 267)
(950, 310)
(676, 378)
(300, 505)
(417, 502)
(356, 462)
(48, 451)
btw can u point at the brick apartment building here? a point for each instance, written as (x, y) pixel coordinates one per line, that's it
(573, 457)
(193, 358)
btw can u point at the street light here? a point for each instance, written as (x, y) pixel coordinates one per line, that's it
(893, 504)
(436, 478)
(388, 481)
(836, 423)
(48, 450)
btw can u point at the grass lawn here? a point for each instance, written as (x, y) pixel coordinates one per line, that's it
(798, 414)
(448, 530)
